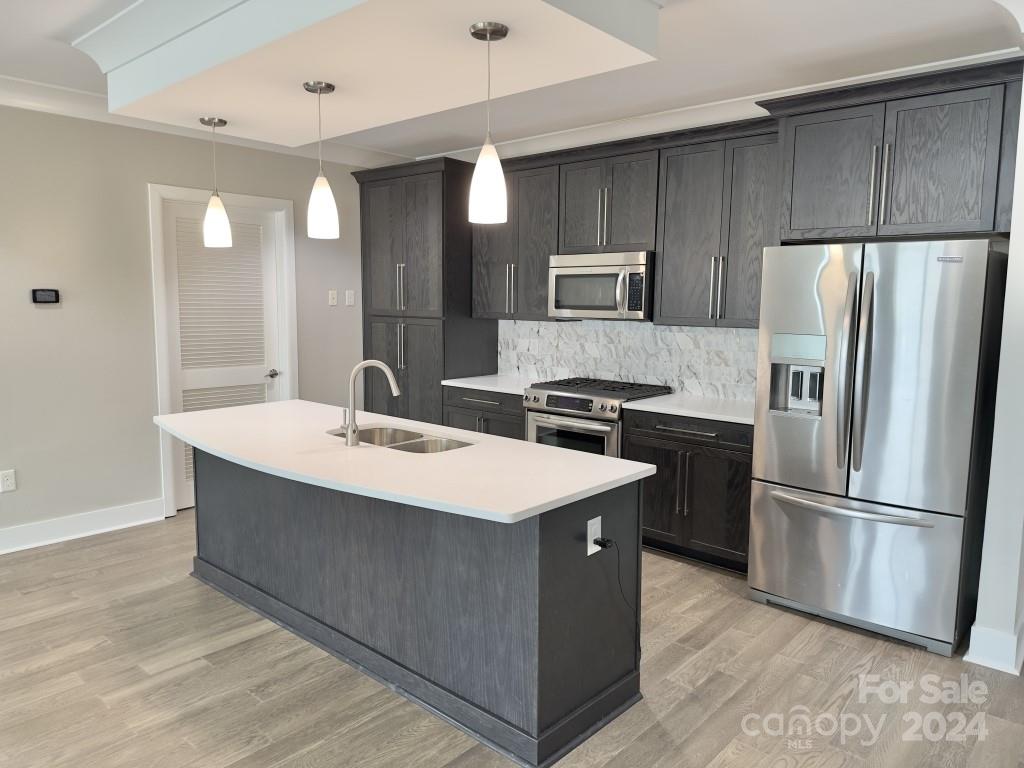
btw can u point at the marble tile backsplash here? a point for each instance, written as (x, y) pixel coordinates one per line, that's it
(710, 362)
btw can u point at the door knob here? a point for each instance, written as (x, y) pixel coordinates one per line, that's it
(273, 373)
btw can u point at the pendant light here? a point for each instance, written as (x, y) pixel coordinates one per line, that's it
(216, 227)
(488, 203)
(322, 211)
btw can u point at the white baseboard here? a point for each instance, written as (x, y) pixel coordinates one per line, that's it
(28, 535)
(996, 649)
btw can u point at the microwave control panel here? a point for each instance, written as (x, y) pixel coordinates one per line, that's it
(635, 293)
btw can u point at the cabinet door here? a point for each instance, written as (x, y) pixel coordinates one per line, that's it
(662, 494)
(381, 343)
(494, 251)
(750, 222)
(503, 425)
(382, 219)
(422, 369)
(632, 202)
(831, 164)
(462, 418)
(422, 275)
(581, 205)
(536, 222)
(716, 503)
(942, 155)
(689, 241)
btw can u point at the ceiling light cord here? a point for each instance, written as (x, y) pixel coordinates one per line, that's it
(488, 87)
(216, 189)
(319, 135)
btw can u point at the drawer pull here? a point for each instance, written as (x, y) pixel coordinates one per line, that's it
(692, 432)
(478, 400)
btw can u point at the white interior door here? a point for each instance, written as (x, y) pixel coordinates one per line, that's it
(223, 323)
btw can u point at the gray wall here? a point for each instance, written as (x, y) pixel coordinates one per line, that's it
(77, 381)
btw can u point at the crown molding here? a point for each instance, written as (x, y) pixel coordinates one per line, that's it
(57, 100)
(685, 118)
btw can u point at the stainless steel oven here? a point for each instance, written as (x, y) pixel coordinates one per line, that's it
(590, 435)
(612, 286)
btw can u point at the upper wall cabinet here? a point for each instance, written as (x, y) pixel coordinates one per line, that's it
(510, 261)
(719, 208)
(609, 204)
(919, 155)
(403, 244)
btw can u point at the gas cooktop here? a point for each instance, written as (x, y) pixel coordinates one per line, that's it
(618, 390)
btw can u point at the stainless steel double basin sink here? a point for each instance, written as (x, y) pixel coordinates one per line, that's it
(405, 440)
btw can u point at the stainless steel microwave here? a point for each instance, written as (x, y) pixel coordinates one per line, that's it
(611, 286)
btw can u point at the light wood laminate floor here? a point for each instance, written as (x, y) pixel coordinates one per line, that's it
(112, 655)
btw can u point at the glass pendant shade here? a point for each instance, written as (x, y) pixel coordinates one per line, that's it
(322, 213)
(216, 227)
(488, 202)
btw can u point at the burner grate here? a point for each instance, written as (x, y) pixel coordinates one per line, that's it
(626, 389)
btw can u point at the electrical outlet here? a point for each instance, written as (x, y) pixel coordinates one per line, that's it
(332, 298)
(8, 481)
(350, 298)
(593, 532)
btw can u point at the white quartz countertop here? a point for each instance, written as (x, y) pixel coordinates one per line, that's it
(498, 382)
(682, 404)
(495, 478)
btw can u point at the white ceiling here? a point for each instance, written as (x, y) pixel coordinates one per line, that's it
(710, 51)
(391, 60)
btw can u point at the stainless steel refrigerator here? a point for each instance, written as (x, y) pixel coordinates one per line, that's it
(875, 394)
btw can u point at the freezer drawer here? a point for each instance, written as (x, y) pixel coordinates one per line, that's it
(891, 567)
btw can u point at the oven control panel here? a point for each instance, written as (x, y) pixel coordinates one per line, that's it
(564, 402)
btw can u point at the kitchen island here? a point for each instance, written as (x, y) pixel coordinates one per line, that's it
(461, 579)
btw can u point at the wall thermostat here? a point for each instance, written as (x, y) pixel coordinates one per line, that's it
(45, 296)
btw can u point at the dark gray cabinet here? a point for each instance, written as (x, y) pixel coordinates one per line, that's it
(414, 348)
(831, 170)
(492, 413)
(698, 502)
(941, 155)
(719, 208)
(609, 204)
(510, 261)
(417, 273)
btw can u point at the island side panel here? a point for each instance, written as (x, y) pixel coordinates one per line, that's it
(451, 598)
(589, 661)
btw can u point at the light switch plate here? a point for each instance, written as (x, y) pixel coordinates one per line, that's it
(350, 298)
(8, 481)
(332, 298)
(593, 532)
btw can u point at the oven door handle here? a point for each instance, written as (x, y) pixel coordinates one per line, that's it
(579, 426)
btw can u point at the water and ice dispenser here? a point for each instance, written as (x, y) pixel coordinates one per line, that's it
(797, 374)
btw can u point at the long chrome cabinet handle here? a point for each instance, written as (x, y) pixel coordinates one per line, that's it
(401, 346)
(871, 185)
(600, 198)
(843, 368)
(403, 287)
(718, 290)
(711, 290)
(679, 478)
(865, 341)
(605, 236)
(478, 400)
(506, 288)
(692, 432)
(398, 286)
(686, 486)
(512, 290)
(828, 509)
(883, 203)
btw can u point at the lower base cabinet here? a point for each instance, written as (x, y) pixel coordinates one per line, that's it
(487, 412)
(698, 503)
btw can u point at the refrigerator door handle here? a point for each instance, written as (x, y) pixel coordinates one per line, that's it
(828, 509)
(865, 342)
(845, 379)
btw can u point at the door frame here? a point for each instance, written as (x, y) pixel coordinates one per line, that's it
(287, 336)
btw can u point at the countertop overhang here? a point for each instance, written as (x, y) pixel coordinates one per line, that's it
(495, 478)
